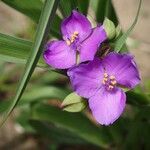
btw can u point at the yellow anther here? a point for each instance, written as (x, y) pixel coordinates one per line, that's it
(105, 75)
(110, 87)
(72, 40)
(103, 82)
(114, 82)
(76, 33)
(105, 79)
(68, 42)
(73, 37)
(112, 77)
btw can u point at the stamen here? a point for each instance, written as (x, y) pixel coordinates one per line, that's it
(72, 40)
(76, 32)
(105, 79)
(103, 82)
(73, 37)
(105, 75)
(68, 42)
(109, 81)
(114, 82)
(110, 87)
(112, 77)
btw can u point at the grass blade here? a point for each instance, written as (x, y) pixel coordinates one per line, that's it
(121, 41)
(75, 123)
(83, 6)
(110, 12)
(32, 9)
(99, 6)
(15, 50)
(47, 15)
(66, 7)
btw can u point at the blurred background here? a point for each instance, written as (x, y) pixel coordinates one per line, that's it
(16, 133)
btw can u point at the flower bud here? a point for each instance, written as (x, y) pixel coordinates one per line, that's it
(74, 103)
(109, 28)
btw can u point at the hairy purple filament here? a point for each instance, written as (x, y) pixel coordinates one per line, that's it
(109, 81)
(73, 38)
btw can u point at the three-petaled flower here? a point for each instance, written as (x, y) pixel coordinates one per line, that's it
(80, 42)
(101, 80)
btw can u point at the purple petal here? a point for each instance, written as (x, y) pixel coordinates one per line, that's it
(107, 106)
(90, 46)
(86, 78)
(59, 55)
(76, 22)
(123, 67)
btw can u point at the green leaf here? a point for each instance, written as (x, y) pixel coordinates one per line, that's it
(36, 94)
(137, 98)
(110, 12)
(23, 120)
(17, 50)
(99, 6)
(14, 49)
(139, 129)
(83, 6)
(104, 8)
(74, 103)
(66, 7)
(118, 31)
(121, 41)
(41, 36)
(55, 133)
(31, 8)
(75, 123)
(43, 92)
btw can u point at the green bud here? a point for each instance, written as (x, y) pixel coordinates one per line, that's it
(109, 28)
(73, 103)
(118, 31)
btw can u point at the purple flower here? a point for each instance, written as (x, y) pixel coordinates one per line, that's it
(101, 80)
(80, 42)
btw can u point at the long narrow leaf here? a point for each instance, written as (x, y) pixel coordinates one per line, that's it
(121, 41)
(55, 133)
(32, 9)
(110, 12)
(46, 18)
(37, 94)
(75, 123)
(83, 6)
(99, 7)
(15, 50)
(66, 7)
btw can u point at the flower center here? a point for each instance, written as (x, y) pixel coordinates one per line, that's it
(109, 81)
(73, 37)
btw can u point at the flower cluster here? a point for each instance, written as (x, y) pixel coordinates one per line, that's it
(100, 80)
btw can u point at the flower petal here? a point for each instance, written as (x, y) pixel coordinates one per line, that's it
(107, 106)
(123, 67)
(86, 78)
(76, 22)
(59, 55)
(90, 46)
